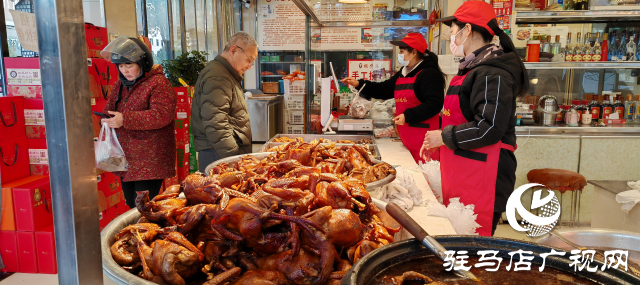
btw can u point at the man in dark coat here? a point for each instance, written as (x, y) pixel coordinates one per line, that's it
(219, 115)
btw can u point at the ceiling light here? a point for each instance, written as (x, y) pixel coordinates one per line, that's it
(353, 1)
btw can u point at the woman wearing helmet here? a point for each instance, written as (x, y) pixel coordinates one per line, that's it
(478, 123)
(418, 89)
(143, 105)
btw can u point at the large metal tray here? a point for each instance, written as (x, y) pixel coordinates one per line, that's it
(108, 236)
(231, 161)
(311, 137)
(372, 147)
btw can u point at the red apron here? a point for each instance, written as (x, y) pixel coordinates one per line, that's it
(412, 136)
(469, 174)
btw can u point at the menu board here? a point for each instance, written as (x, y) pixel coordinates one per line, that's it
(280, 26)
(368, 69)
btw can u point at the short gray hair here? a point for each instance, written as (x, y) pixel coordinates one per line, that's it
(241, 39)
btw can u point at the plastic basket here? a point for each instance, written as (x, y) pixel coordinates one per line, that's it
(294, 117)
(295, 129)
(294, 88)
(294, 101)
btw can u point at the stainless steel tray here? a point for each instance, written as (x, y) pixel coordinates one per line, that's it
(311, 137)
(231, 161)
(372, 147)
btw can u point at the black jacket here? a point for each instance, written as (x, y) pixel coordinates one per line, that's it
(488, 102)
(429, 89)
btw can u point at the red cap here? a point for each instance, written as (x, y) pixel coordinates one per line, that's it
(475, 12)
(413, 40)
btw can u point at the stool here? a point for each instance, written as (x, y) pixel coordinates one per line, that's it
(563, 181)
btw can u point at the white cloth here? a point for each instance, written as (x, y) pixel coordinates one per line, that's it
(402, 191)
(629, 198)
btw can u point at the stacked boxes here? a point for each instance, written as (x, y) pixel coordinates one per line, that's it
(294, 107)
(23, 77)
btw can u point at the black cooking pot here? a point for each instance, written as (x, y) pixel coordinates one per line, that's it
(374, 263)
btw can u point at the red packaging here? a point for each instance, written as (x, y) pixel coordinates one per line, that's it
(96, 39)
(15, 156)
(36, 132)
(27, 252)
(32, 205)
(8, 222)
(25, 91)
(170, 182)
(38, 157)
(107, 216)
(33, 112)
(540, 4)
(9, 251)
(39, 169)
(46, 251)
(23, 76)
(102, 76)
(615, 121)
(109, 191)
(11, 117)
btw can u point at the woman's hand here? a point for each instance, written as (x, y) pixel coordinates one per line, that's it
(115, 121)
(351, 81)
(399, 120)
(433, 139)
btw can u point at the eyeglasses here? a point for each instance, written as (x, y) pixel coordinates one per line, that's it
(251, 61)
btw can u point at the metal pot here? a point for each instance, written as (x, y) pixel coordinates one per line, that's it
(548, 109)
(375, 262)
(231, 161)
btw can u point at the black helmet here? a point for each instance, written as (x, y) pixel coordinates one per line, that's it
(128, 49)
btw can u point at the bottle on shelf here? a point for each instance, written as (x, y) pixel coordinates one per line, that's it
(622, 48)
(575, 104)
(613, 51)
(583, 108)
(558, 55)
(631, 49)
(604, 47)
(597, 49)
(577, 50)
(618, 106)
(546, 46)
(606, 107)
(629, 106)
(568, 50)
(587, 49)
(636, 107)
(595, 108)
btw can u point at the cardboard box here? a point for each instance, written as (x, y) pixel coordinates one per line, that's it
(27, 252)
(46, 250)
(8, 222)
(102, 76)
(9, 251)
(11, 118)
(32, 205)
(109, 191)
(15, 156)
(97, 39)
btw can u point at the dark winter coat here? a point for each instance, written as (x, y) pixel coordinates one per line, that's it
(147, 135)
(219, 114)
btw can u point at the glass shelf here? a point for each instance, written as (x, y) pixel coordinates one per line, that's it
(582, 65)
(552, 17)
(381, 24)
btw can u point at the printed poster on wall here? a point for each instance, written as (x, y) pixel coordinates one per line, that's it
(368, 69)
(280, 26)
(350, 39)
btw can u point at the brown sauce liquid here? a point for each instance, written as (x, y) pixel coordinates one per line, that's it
(433, 268)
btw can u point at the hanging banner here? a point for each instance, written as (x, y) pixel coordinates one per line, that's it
(26, 28)
(369, 69)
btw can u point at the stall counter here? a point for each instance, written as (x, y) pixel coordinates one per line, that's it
(395, 153)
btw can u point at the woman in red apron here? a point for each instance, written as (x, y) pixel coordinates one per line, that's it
(418, 89)
(477, 162)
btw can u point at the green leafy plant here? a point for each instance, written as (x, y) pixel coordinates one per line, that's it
(186, 66)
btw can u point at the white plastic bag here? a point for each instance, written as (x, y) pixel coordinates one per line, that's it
(359, 107)
(431, 172)
(402, 191)
(462, 218)
(109, 154)
(628, 199)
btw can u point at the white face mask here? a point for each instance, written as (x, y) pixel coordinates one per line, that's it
(457, 50)
(402, 61)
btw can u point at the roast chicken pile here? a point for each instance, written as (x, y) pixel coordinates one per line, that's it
(300, 216)
(299, 139)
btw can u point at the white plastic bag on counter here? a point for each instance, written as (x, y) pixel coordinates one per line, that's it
(628, 199)
(431, 172)
(359, 107)
(382, 112)
(462, 218)
(402, 191)
(109, 154)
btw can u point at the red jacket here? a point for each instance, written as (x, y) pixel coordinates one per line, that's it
(147, 135)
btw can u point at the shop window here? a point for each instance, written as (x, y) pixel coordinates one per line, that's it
(158, 29)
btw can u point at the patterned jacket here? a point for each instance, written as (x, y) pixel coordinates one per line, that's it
(147, 135)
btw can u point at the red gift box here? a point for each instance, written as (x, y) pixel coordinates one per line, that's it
(9, 251)
(8, 222)
(109, 191)
(23, 76)
(107, 216)
(11, 117)
(38, 157)
(27, 252)
(102, 76)
(32, 205)
(122, 207)
(97, 105)
(36, 132)
(46, 251)
(96, 39)
(15, 156)
(34, 118)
